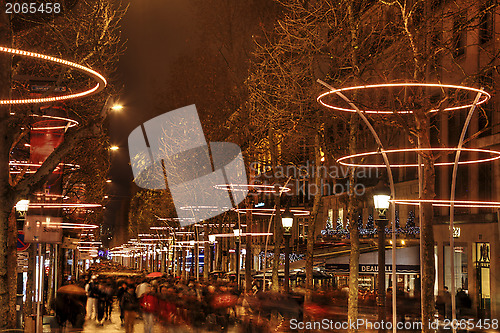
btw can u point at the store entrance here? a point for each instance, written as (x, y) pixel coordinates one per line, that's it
(483, 280)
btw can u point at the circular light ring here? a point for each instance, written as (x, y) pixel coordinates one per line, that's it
(447, 203)
(246, 187)
(272, 211)
(485, 96)
(100, 80)
(37, 165)
(63, 205)
(71, 225)
(41, 195)
(252, 234)
(70, 123)
(209, 208)
(176, 219)
(342, 161)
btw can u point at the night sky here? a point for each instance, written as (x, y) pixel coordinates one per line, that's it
(175, 36)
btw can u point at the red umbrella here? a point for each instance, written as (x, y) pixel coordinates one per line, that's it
(154, 275)
(224, 301)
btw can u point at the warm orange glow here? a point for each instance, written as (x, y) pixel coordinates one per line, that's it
(114, 148)
(447, 203)
(256, 187)
(37, 165)
(117, 107)
(71, 225)
(252, 234)
(210, 208)
(100, 85)
(495, 156)
(485, 96)
(272, 211)
(71, 123)
(63, 205)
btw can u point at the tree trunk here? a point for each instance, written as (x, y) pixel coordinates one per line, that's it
(352, 304)
(277, 243)
(426, 225)
(313, 217)
(8, 286)
(277, 216)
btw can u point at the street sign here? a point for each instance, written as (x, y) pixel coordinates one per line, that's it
(70, 243)
(43, 229)
(21, 244)
(22, 262)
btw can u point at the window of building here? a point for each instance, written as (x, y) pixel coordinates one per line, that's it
(486, 23)
(459, 34)
(461, 268)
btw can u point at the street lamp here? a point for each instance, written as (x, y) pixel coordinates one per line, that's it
(287, 223)
(237, 233)
(114, 148)
(22, 207)
(117, 107)
(381, 197)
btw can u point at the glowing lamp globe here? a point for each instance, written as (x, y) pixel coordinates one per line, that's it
(381, 196)
(287, 219)
(22, 205)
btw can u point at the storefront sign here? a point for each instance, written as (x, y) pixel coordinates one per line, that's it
(373, 269)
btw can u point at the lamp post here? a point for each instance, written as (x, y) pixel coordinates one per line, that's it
(237, 233)
(211, 240)
(381, 197)
(193, 267)
(287, 223)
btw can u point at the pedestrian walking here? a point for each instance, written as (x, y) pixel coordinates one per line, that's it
(92, 294)
(108, 305)
(130, 306)
(121, 291)
(149, 306)
(101, 304)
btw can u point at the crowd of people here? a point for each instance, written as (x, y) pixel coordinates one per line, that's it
(178, 305)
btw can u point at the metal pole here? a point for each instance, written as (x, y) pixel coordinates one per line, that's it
(237, 253)
(391, 185)
(452, 211)
(381, 294)
(197, 251)
(287, 262)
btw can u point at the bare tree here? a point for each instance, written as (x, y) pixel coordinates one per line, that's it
(89, 34)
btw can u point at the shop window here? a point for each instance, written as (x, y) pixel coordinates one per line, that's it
(482, 261)
(461, 268)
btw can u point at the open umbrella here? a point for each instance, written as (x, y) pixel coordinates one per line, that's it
(71, 289)
(154, 275)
